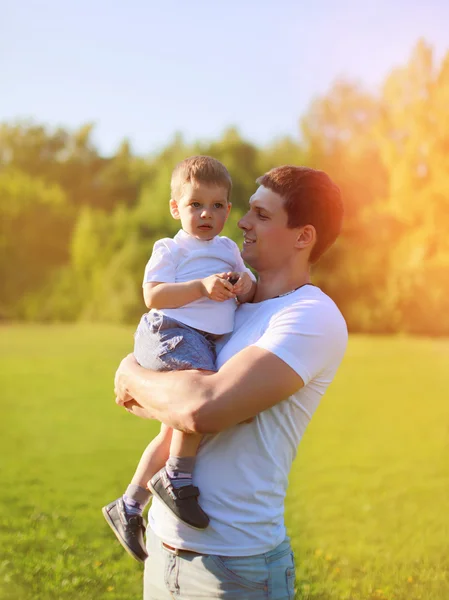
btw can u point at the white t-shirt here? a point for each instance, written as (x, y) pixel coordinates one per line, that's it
(242, 473)
(184, 258)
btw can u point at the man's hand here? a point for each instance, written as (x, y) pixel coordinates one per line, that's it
(135, 409)
(121, 394)
(217, 287)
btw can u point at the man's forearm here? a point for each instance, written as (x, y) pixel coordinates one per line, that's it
(200, 402)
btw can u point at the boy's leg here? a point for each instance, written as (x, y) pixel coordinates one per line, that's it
(173, 484)
(164, 344)
(180, 465)
(124, 515)
(153, 459)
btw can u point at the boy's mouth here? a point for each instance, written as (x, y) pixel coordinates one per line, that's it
(205, 227)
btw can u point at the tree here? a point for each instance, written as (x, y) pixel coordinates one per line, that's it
(33, 236)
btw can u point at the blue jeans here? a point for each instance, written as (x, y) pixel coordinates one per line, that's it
(186, 576)
(163, 344)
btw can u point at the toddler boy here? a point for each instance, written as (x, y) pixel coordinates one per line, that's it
(190, 285)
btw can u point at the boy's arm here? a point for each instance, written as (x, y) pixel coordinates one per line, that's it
(173, 295)
(244, 286)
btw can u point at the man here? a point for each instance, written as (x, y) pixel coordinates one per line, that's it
(283, 353)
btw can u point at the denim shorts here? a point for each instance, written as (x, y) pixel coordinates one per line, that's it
(164, 344)
(186, 575)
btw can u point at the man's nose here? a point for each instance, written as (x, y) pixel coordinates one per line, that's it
(243, 223)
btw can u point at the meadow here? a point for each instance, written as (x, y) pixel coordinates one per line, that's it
(367, 508)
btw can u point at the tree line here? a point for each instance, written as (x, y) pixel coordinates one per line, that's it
(77, 228)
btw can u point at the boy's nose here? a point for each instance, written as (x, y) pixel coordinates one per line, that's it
(205, 213)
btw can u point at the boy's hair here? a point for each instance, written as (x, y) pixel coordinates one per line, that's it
(310, 198)
(202, 169)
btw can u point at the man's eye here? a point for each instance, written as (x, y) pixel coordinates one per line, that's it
(218, 205)
(263, 217)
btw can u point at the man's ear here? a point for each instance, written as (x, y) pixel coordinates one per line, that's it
(306, 237)
(174, 210)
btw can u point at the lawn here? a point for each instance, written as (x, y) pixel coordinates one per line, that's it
(367, 507)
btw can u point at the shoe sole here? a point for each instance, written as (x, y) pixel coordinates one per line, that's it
(156, 495)
(111, 524)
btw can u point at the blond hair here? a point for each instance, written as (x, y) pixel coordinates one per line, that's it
(201, 169)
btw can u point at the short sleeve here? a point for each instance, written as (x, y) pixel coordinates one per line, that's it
(161, 266)
(309, 337)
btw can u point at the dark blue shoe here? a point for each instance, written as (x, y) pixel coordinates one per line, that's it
(128, 529)
(181, 502)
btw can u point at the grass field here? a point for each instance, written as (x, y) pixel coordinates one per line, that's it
(368, 502)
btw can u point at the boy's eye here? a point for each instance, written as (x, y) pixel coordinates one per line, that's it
(195, 204)
(218, 205)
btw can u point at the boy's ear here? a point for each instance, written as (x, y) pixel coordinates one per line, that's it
(174, 211)
(228, 209)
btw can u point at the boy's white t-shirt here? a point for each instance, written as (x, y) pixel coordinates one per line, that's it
(184, 258)
(242, 473)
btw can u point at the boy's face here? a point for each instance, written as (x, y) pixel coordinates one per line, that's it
(202, 209)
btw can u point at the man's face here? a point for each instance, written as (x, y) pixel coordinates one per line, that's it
(267, 241)
(202, 208)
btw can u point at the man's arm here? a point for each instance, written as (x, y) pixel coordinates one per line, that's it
(198, 402)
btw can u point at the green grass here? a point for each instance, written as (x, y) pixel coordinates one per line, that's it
(367, 507)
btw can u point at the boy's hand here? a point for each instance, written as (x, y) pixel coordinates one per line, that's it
(217, 287)
(243, 283)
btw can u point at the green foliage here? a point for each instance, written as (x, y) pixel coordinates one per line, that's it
(33, 236)
(366, 507)
(389, 155)
(77, 228)
(241, 160)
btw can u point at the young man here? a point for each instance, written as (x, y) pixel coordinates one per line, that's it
(283, 353)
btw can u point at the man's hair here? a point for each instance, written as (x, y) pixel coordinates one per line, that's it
(310, 198)
(201, 169)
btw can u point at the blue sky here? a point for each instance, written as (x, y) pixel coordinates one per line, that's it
(145, 69)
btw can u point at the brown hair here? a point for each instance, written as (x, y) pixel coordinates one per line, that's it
(310, 198)
(202, 169)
